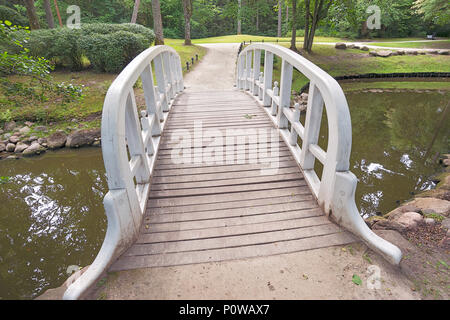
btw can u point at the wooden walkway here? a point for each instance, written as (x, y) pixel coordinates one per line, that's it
(198, 213)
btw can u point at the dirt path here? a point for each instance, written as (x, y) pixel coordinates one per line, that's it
(216, 71)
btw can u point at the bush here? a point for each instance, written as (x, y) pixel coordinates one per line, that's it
(109, 47)
(112, 52)
(12, 15)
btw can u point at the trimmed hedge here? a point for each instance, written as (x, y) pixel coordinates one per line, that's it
(109, 47)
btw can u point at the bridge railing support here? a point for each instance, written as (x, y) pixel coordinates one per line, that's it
(335, 190)
(130, 142)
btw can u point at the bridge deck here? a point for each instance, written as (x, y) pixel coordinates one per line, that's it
(198, 213)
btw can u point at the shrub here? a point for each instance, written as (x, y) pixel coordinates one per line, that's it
(112, 52)
(100, 42)
(12, 15)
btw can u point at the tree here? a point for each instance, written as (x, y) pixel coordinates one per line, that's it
(239, 23)
(157, 22)
(32, 16)
(187, 10)
(294, 25)
(280, 7)
(135, 11)
(49, 14)
(435, 11)
(320, 11)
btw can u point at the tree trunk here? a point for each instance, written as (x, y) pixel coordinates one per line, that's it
(32, 16)
(280, 7)
(257, 20)
(239, 27)
(49, 14)
(307, 14)
(135, 11)
(294, 25)
(187, 9)
(157, 22)
(58, 14)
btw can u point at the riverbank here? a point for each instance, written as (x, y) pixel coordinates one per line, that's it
(420, 227)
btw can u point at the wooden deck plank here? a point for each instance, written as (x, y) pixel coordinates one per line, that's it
(217, 211)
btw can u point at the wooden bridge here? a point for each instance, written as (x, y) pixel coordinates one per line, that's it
(219, 175)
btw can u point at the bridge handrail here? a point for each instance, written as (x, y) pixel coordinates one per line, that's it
(335, 190)
(130, 142)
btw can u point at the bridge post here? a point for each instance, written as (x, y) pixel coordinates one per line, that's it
(169, 74)
(285, 93)
(256, 71)
(261, 83)
(161, 82)
(150, 99)
(241, 73)
(293, 137)
(275, 94)
(312, 126)
(248, 67)
(268, 71)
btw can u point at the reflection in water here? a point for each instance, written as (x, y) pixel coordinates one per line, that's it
(51, 216)
(51, 212)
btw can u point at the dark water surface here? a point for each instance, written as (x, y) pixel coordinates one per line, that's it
(52, 217)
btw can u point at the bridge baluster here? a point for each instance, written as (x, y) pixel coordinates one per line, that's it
(260, 86)
(296, 115)
(285, 93)
(168, 75)
(268, 71)
(248, 67)
(274, 103)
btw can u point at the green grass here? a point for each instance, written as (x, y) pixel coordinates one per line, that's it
(185, 52)
(395, 84)
(444, 44)
(247, 38)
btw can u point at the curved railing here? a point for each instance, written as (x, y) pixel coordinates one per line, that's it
(130, 141)
(335, 190)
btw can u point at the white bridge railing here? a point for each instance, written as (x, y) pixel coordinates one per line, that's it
(335, 190)
(130, 141)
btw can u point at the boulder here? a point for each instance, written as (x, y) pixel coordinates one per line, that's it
(56, 140)
(10, 147)
(410, 219)
(24, 130)
(351, 46)
(356, 47)
(446, 223)
(28, 123)
(41, 129)
(10, 126)
(82, 138)
(364, 48)
(34, 149)
(373, 53)
(20, 147)
(14, 139)
(438, 206)
(384, 53)
(340, 45)
(444, 52)
(2, 147)
(33, 138)
(42, 140)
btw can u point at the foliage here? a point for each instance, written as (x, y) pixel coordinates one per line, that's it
(40, 86)
(100, 42)
(435, 11)
(7, 13)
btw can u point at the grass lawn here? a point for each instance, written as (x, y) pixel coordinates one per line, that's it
(247, 38)
(350, 85)
(185, 52)
(430, 44)
(352, 61)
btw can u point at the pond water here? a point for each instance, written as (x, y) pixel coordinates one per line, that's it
(52, 217)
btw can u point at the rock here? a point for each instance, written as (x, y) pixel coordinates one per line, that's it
(28, 123)
(33, 138)
(24, 130)
(56, 140)
(373, 53)
(1, 131)
(446, 223)
(12, 158)
(82, 138)
(364, 48)
(35, 148)
(10, 126)
(41, 129)
(401, 52)
(2, 147)
(446, 162)
(20, 147)
(439, 206)
(304, 96)
(444, 52)
(410, 219)
(356, 47)
(42, 140)
(429, 221)
(413, 52)
(6, 136)
(14, 139)
(445, 242)
(10, 147)
(351, 46)
(97, 144)
(388, 225)
(381, 53)
(340, 45)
